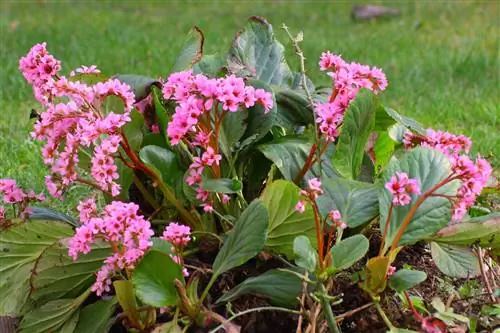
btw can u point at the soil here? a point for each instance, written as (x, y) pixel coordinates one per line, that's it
(368, 320)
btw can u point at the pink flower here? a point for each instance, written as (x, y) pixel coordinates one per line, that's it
(177, 234)
(207, 207)
(401, 187)
(300, 207)
(85, 70)
(391, 270)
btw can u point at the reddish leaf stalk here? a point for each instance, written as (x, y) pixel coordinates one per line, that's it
(386, 230)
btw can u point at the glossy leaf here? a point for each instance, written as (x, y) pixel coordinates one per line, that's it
(232, 129)
(154, 277)
(221, 185)
(405, 121)
(162, 115)
(483, 231)
(293, 109)
(96, 317)
(285, 223)
(163, 162)
(348, 251)
(382, 151)
(356, 201)
(359, 121)
(405, 279)
(428, 167)
(280, 287)
(192, 50)
(125, 294)
(126, 179)
(133, 130)
(210, 65)
(21, 247)
(289, 154)
(304, 254)
(255, 52)
(141, 85)
(455, 261)
(245, 240)
(259, 122)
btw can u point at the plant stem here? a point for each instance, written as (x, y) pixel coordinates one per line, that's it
(206, 291)
(263, 308)
(319, 234)
(327, 310)
(149, 198)
(386, 230)
(383, 315)
(353, 312)
(480, 256)
(94, 185)
(417, 204)
(410, 304)
(307, 165)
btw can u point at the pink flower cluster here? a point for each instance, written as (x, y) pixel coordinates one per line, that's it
(74, 119)
(179, 235)
(474, 175)
(348, 80)
(336, 218)
(120, 225)
(85, 70)
(401, 187)
(15, 196)
(313, 191)
(202, 103)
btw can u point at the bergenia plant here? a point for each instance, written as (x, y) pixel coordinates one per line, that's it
(230, 161)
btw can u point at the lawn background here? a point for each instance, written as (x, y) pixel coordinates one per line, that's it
(441, 57)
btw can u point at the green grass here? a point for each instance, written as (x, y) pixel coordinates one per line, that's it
(441, 58)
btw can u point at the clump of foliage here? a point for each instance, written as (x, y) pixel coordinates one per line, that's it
(240, 154)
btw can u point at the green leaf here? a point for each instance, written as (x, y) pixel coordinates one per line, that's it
(56, 275)
(210, 65)
(428, 167)
(293, 109)
(96, 317)
(289, 154)
(21, 247)
(255, 52)
(348, 251)
(376, 272)
(405, 121)
(126, 179)
(133, 130)
(455, 261)
(221, 185)
(70, 324)
(304, 253)
(483, 231)
(382, 151)
(192, 50)
(48, 214)
(356, 201)
(163, 162)
(232, 129)
(162, 115)
(280, 287)
(359, 121)
(125, 295)
(141, 85)
(280, 198)
(51, 316)
(154, 279)
(245, 240)
(259, 122)
(405, 279)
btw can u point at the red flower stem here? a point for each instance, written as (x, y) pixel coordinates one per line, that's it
(417, 204)
(386, 230)
(410, 304)
(319, 234)
(307, 165)
(94, 185)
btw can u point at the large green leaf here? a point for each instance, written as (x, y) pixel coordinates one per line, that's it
(163, 162)
(405, 121)
(405, 279)
(455, 261)
(192, 50)
(211, 65)
(428, 167)
(259, 122)
(348, 251)
(280, 287)
(359, 122)
(133, 130)
(293, 109)
(96, 317)
(356, 201)
(162, 116)
(285, 223)
(289, 154)
(141, 85)
(154, 277)
(126, 179)
(232, 129)
(383, 150)
(21, 247)
(245, 240)
(483, 231)
(56, 275)
(304, 254)
(51, 316)
(255, 52)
